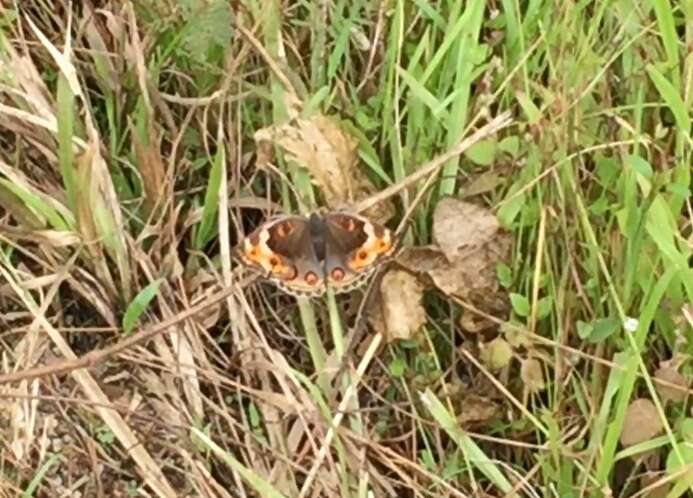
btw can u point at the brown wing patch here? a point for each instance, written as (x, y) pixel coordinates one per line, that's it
(256, 253)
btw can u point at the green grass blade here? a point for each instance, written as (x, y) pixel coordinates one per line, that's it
(208, 224)
(66, 103)
(258, 483)
(139, 305)
(672, 99)
(473, 454)
(40, 474)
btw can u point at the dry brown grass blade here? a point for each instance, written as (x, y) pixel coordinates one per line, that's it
(341, 410)
(97, 356)
(150, 471)
(152, 171)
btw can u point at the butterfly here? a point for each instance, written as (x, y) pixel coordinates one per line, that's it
(306, 255)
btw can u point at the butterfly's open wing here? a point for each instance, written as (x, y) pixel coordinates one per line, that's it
(354, 247)
(285, 252)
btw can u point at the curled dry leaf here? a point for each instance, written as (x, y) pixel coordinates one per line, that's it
(49, 238)
(461, 227)
(670, 378)
(329, 154)
(403, 313)
(470, 244)
(642, 422)
(474, 323)
(532, 375)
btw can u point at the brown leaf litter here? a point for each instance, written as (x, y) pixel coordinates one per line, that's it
(642, 422)
(673, 385)
(401, 313)
(469, 244)
(477, 402)
(330, 156)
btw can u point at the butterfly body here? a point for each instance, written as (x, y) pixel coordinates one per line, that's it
(306, 255)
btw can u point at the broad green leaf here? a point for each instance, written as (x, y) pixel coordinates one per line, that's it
(505, 275)
(397, 367)
(509, 209)
(584, 330)
(640, 165)
(510, 145)
(604, 328)
(520, 304)
(544, 307)
(483, 152)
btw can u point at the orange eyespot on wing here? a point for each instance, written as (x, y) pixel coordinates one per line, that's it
(375, 248)
(287, 272)
(283, 229)
(362, 259)
(384, 245)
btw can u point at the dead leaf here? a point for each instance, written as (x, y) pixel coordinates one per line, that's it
(532, 375)
(461, 227)
(642, 422)
(201, 285)
(106, 73)
(475, 410)
(474, 323)
(496, 354)
(421, 260)
(471, 278)
(659, 483)
(402, 310)
(330, 154)
(670, 375)
(471, 243)
(51, 238)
